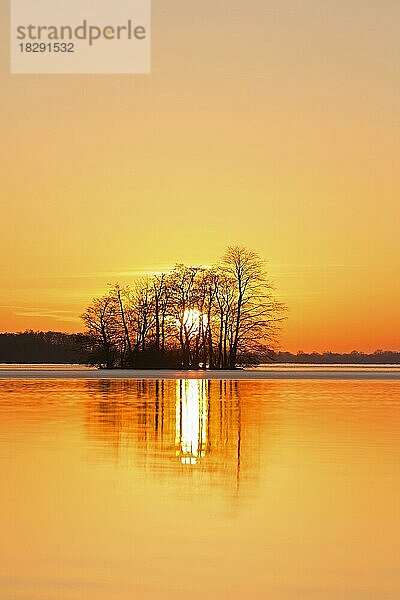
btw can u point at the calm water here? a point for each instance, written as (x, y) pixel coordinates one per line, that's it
(121, 490)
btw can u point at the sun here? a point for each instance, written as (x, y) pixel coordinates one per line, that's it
(193, 319)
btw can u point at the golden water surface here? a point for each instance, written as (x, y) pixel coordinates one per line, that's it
(121, 490)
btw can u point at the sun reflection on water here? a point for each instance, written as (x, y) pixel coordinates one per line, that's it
(186, 431)
(254, 485)
(191, 420)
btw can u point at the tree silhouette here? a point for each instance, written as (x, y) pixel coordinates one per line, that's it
(191, 317)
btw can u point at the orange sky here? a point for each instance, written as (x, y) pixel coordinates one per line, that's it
(270, 124)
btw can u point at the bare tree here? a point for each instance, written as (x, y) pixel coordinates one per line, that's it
(142, 313)
(122, 299)
(101, 320)
(225, 300)
(184, 301)
(254, 315)
(161, 305)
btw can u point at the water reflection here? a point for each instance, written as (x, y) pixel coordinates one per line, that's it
(278, 489)
(175, 427)
(191, 420)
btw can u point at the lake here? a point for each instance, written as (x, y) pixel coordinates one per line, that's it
(195, 488)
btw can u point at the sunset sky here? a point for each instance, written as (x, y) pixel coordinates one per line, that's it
(273, 124)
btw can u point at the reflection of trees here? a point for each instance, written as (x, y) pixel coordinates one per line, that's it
(176, 427)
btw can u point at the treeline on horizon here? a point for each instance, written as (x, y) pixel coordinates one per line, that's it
(54, 347)
(39, 347)
(380, 357)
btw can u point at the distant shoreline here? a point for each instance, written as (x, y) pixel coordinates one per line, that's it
(280, 372)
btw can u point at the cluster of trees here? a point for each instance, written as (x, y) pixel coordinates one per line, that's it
(43, 347)
(191, 317)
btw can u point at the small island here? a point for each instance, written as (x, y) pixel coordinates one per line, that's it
(215, 318)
